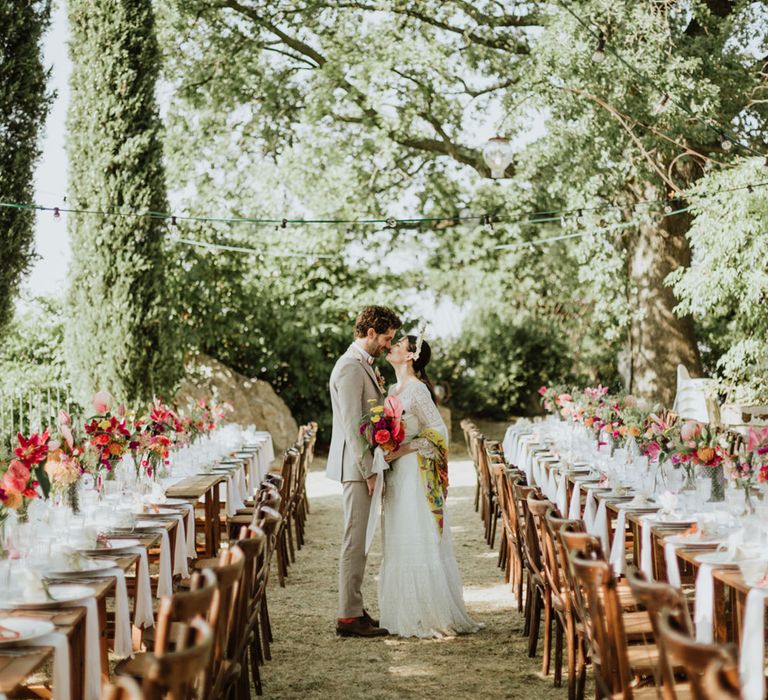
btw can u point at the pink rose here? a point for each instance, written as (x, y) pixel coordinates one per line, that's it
(690, 430)
(16, 478)
(542, 390)
(102, 400)
(653, 450)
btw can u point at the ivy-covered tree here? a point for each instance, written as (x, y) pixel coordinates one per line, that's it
(122, 332)
(24, 105)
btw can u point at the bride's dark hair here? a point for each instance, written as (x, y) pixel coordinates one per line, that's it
(420, 364)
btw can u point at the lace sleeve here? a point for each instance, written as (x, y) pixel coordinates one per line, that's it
(423, 407)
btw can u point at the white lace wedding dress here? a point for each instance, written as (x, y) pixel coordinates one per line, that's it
(420, 589)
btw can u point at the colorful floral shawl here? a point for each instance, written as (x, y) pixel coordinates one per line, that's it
(434, 472)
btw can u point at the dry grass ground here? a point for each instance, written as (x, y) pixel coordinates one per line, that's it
(309, 661)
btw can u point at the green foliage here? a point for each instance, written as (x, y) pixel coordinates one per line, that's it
(338, 109)
(24, 105)
(121, 333)
(32, 351)
(726, 286)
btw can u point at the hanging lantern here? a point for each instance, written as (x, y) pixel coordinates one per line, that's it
(497, 155)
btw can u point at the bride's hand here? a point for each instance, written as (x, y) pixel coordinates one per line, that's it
(401, 451)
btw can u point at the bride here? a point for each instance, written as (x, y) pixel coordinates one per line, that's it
(420, 589)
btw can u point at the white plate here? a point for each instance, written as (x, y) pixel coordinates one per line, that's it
(88, 566)
(695, 540)
(718, 559)
(666, 521)
(26, 627)
(61, 593)
(114, 546)
(159, 513)
(171, 502)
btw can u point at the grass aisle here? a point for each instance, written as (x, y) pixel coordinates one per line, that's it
(310, 661)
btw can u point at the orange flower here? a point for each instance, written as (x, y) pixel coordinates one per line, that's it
(705, 454)
(634, 431)
(115, 448)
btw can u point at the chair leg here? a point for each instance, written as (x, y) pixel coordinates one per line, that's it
(528, 610)
(533, 636)
(477, 496)
(289, 536)
(558, 680)
(519, 587)
(581, 670)
(547, 633)
(255, 674)
(571, 652)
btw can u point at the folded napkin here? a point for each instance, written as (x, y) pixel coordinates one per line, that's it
(62, 677)
(618, 558)
(92, 689)
(189, 531)
(705, 604)
(123, 643)
(561, 496)
(668, 502)
(600, 526)
(180, 565)
(589, 510)
(164, 577)
(646, 548)
(144, 616)
(673, 567)
(751, 659)
(574, 509)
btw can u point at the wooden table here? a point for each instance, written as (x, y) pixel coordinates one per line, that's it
(18, 662)
(196, 487)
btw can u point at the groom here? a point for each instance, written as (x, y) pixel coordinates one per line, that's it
(354, 383)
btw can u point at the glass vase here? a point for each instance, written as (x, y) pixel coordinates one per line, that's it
(716, 475)
(749, 506)
(689, 484)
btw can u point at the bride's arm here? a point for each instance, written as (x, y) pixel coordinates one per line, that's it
(424, 408)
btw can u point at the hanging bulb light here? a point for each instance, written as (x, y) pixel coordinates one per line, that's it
(599, 55)
(497, 155)
(725, 143)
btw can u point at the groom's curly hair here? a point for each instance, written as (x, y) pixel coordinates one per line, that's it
(380, 318)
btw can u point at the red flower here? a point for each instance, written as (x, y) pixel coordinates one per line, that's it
(100, 440)
(32, 450)
(381, 436)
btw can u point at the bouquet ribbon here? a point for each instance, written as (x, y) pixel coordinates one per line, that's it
(380, 465)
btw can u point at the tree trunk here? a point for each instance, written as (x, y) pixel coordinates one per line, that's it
(659, 339)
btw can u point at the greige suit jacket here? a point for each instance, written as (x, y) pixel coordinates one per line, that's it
(353, 382)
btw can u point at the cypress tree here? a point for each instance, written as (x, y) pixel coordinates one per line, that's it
(23, 107)
(122, 333)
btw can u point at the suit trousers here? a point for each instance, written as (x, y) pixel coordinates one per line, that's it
(357, 505)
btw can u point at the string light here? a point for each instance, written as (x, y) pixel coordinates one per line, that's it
(599, 55)
(709, 123)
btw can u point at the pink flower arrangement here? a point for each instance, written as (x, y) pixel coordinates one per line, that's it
(21, 478)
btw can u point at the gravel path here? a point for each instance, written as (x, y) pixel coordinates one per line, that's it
(310, 661)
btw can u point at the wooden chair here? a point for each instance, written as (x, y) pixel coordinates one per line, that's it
(178, 609)
(721, 682)
(520, 493)
(683, 652)
(180, 674)
(656, 596)
(561, 584)
(123, 688)
(618, 667)
(537, 507)
(511, 524)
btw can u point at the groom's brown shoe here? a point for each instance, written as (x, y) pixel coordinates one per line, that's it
(359, 627)
(369, 619)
